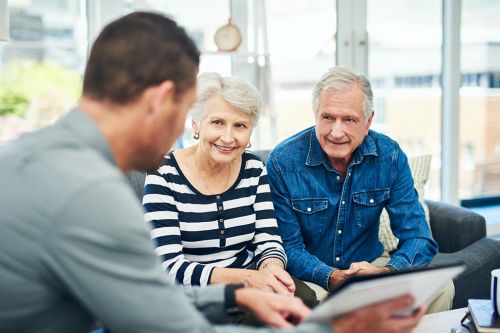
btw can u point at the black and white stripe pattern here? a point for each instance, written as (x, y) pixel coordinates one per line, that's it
(195, 232)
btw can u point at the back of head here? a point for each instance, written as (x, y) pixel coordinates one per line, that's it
(337, 78)
(238, 92)
(138, 51)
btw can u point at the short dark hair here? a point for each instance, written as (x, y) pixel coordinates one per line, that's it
(138, 51)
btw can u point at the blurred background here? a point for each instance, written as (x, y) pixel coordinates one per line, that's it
(434, 66)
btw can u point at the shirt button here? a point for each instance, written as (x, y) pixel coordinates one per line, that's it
(337, 259)
(343, 202)
(338, 177)
(339, 232)
(309, 209)
(372, 201)
(218, 197)
(220, 207)
(222, 232)
(349, 173)
(221, 220)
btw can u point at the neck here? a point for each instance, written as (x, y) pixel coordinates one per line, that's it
(214, 176)
(207, 165)
(117, 126)
(340, 167)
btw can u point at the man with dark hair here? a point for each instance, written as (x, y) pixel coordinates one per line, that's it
(73, 242)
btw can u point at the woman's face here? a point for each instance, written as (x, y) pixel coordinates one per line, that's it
(224, 131)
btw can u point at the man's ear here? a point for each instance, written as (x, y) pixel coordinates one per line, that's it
(162, 97)
(369, 122)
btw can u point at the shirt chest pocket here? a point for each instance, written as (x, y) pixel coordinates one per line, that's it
(368, 205)
(311, 213)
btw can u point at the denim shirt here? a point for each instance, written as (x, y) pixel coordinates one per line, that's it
(327, 222)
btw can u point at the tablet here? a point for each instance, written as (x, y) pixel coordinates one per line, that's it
(357, 292)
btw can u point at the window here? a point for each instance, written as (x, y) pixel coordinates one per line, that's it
(405, 67)
(480, 99)
(302, 48)
(41, 65)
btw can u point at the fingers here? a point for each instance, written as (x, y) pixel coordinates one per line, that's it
(380, 318)
(406, 324)
(272, 309)
(397, 304)
(365, 268)
(280, 288)
(285, 279)
(269, 279)
(292, 316)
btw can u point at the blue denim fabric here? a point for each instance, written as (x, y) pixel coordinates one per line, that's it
(328, 223)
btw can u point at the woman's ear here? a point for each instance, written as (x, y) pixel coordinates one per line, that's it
(194, 126)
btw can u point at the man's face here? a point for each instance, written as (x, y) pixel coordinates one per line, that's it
(165, 132)
(341, 125)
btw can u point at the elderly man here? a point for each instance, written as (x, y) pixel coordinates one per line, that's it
(330, 183)
(73, 242)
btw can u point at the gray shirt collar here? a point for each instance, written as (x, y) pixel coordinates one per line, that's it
(78, 123)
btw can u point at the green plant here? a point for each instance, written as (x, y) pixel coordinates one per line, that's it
(23, 83)
(12, 102)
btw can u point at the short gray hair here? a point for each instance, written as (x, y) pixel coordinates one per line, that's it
(337, 78)
(238, 92)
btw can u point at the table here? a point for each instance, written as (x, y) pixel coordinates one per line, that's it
(441, 322)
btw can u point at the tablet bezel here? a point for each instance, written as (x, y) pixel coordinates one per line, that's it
(321, 313)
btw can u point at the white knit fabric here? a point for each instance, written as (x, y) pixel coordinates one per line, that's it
(420, 167)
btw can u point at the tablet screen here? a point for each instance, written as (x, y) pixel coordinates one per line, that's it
(421, 283)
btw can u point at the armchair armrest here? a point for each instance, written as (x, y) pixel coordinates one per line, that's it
(453, 227)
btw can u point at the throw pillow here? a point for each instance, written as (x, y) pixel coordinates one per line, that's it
(420, 167)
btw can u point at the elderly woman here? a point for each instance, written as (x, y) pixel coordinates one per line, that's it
(210, 204)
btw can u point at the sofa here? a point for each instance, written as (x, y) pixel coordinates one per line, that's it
(460, 233)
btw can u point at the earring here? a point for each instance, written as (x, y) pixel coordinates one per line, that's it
(196, 136)
(249, 145)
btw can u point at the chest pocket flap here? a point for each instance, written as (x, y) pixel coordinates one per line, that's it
(371, 197)
(309, 206)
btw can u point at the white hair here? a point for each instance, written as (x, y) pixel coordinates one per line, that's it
(238, 92)
(338, 78)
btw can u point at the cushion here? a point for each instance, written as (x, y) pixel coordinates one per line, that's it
(420, 167)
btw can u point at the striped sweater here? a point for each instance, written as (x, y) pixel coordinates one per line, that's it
(195, 232)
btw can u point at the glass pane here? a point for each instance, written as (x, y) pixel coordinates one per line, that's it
(41, 65)
(405, 69)
(480, 99)
(201, 19)
(301, 37)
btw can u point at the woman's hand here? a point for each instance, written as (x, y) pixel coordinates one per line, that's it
(270, 277)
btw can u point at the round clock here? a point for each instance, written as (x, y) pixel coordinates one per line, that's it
(228, 37)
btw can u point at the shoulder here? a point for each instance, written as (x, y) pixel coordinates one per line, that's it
(252, 164)
(169, 166)
(384, 144)
(296, 146)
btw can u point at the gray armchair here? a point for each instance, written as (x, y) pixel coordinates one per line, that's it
(461, 236)
(460, 233)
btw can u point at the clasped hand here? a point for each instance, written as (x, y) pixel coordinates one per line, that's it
(339, 276)
(272, 278)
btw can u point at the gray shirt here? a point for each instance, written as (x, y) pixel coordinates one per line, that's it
(74, 247)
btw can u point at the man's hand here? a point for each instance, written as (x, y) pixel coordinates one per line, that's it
(272, 278)
(339, 276)
(380, 318)
(272, 309)
(365, 268)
